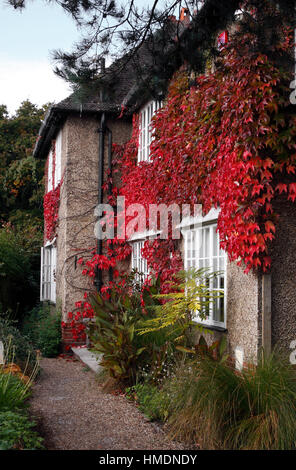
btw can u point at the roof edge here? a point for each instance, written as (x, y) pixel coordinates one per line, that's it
(47, 131)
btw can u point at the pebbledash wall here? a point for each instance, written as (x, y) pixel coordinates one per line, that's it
(78, 199)
(75, 216)
(243, 311)
(283, 276)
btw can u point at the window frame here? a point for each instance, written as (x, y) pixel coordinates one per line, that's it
(58, 159)
(48, 273)
(143, 237)
(50, 172)
(189, 229)
(55, 163)
(145, 132)
(141, 263)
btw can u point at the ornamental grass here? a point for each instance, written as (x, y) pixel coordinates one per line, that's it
(15, 384)
(217, 407)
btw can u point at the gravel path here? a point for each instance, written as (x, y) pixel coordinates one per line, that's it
(74, 413)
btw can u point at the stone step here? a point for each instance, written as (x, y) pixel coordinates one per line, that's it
(88, 358)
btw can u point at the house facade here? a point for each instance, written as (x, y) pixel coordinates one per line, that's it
(78, 156)
(257, 311)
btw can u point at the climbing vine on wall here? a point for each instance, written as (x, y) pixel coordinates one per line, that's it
(51, 205)
(225, 140)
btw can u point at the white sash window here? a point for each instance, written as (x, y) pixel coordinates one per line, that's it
(202, 250)
(49, 175)
(48, 274)
(145, 135)
(58, 158)
(54, 175)
(138, 262)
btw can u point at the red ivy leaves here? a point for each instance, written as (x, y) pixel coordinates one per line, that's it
(51, 205)
(224, 143)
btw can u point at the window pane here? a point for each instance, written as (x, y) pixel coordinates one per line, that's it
(215, 264)
(199, 243)
(206, 241)
(215, 242)
(49, 175)
(193, 245)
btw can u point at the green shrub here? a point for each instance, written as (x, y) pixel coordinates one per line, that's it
(43, 328)
(128, 355)
(17, 432)
(22, 351)
(190, 292)
(13, 392)
(135, 344)
(167, 329)
(152, 401)
(159, 355)
(218, 407)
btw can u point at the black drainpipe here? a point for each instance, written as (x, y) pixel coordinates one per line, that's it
(101, 131)
(110, 182)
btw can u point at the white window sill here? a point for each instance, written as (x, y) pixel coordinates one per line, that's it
(210, 326)
(211, 216)
(144, 235)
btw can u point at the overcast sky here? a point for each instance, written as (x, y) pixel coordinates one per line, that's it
(26, 39)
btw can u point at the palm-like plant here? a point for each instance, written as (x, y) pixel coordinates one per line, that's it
(191, 295)
(112, 334)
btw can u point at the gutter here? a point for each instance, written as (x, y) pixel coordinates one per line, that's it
(47, 132)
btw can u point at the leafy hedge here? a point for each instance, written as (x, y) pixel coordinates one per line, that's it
(17, 286)
(43, 328)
